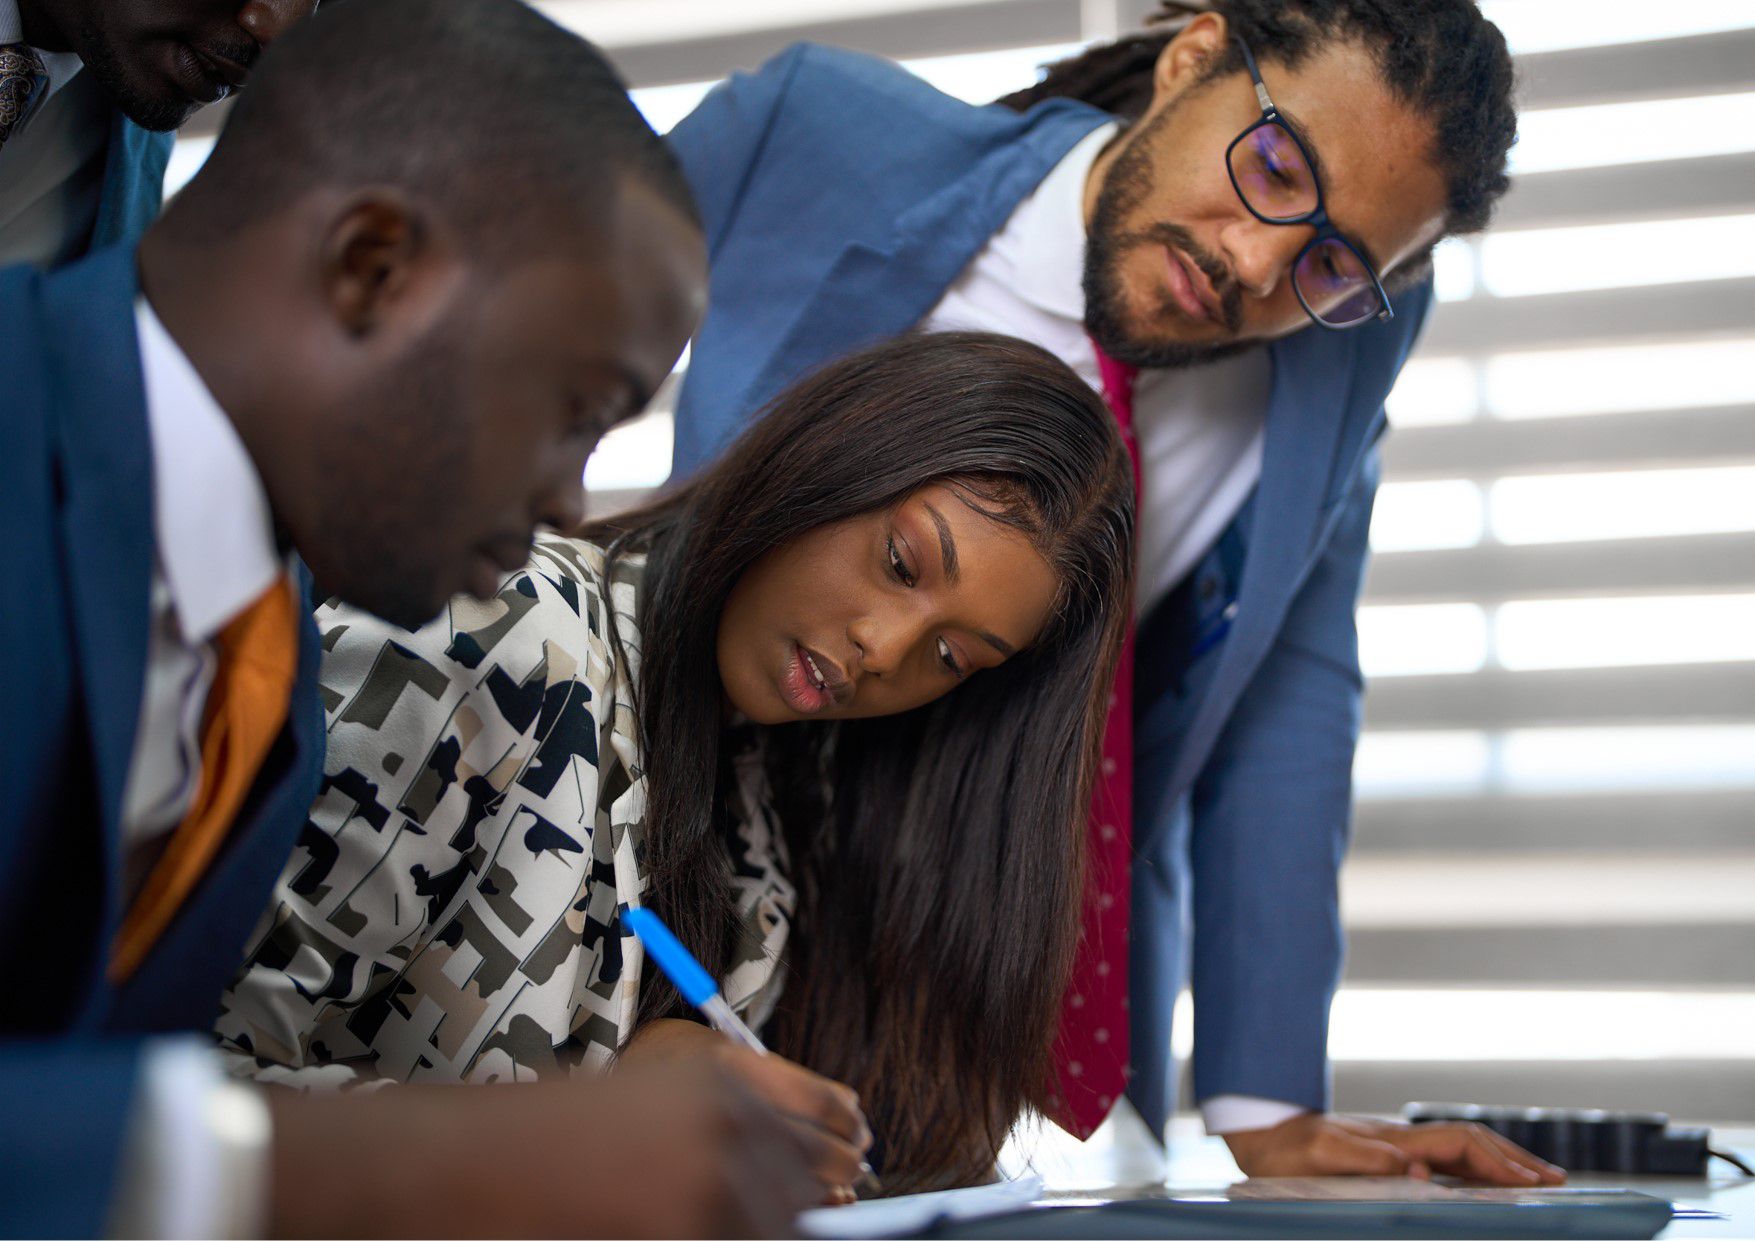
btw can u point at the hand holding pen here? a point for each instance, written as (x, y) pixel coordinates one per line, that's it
(825, 1113)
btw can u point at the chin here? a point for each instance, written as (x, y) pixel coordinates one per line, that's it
(394, 602)
(763, 707)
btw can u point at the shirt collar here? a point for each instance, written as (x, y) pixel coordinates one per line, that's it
(60, 66)
(1050, 227)
(214, 530)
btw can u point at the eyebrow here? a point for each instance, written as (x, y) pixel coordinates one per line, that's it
(998, 643)
(1320, 168)
(947, 547)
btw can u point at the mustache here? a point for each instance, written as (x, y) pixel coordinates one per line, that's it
(1224, 287)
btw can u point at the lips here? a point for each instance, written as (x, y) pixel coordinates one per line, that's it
(490, 562)
(204, 75)
(1188, 286)
(812, 682)
(232, 72)
(484, 576)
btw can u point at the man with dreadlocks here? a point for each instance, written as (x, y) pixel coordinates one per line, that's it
(1225, 223)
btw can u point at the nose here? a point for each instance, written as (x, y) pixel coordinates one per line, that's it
(1261, 254)
(883, 640)
(561, 502)
(266, 20)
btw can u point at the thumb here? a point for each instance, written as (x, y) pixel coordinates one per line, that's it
(1352, 1155)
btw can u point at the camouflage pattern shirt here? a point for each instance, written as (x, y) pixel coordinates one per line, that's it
(451, 910)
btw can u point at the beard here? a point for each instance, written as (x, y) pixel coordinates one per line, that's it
(1106, 316)
(142, 95)
(152, 110)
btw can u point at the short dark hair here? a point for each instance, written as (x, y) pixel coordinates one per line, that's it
(485, 109)
(1444, 59)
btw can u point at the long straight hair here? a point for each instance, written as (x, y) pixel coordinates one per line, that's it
(939, 853)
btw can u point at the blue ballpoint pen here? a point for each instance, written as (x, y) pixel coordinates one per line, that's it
(699, 989)
(695, 983)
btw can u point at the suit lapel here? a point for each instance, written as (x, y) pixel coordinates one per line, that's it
(1306, 432)
(107, 516)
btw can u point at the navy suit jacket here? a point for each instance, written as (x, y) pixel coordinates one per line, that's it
(76, 503)
(841, 196)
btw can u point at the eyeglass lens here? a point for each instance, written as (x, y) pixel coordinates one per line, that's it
(1272, 174)
(1334, 284)
(1277, 183)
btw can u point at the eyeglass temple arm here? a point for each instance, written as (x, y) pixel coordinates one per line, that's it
(1261, 92)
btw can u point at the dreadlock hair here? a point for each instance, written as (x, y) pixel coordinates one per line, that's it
(1441, 57)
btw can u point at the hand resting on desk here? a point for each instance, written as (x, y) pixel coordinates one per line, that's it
(1319, 1144)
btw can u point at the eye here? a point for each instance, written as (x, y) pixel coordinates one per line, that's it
(898, 566)
(948, 658)
(582, 417)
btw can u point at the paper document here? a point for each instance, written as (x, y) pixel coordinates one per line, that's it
(895, 1217)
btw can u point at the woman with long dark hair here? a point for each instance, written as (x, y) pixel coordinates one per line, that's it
(832, 710)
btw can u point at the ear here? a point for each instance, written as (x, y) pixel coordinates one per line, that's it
(377, 250)
(1186, 56)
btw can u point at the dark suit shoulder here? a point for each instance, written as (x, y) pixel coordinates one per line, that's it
(885, 139)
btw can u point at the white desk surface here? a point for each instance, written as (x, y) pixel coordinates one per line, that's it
(1118, 1168)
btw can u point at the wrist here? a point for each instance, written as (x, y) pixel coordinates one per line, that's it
(195, 1162)
(671, 1038)
(1233, 1113)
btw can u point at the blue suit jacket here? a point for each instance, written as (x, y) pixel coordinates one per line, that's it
(76, 503)
(841, 196)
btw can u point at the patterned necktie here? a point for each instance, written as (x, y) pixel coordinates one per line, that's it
(246, 707)
(22, 82)
(1091, 1055)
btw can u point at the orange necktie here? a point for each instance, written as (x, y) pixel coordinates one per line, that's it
(246, 707)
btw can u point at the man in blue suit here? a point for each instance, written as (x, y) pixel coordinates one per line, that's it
(343, 345)
(89, 92)
(1226, 222)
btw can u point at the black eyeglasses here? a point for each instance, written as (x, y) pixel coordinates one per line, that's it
(1274, 175)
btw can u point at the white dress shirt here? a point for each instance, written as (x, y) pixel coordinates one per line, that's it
(1199, 429)
(215, 555)
(52, 167)
(195, 1164)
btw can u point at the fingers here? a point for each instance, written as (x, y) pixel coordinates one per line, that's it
(810, 1097)
(771, 1177)
(1550, 1173)
(835, 1163)
(1476, 1153)
(1340, 1153)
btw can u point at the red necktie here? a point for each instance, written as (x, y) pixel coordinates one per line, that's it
(1091, 1054)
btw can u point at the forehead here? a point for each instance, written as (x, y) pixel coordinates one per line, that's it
(1380, 183)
